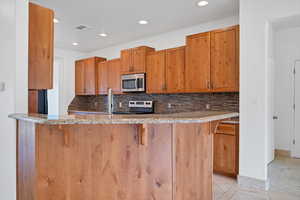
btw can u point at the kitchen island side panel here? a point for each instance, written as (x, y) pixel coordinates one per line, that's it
(26, 161)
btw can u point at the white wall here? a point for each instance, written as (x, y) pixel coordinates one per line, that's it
(254, 99)
(287, 49)
(13, 71)
(166, 40)
(54, 93)
(270, 65)
(66, 77)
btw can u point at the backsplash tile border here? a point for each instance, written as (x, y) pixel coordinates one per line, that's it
(183, 102)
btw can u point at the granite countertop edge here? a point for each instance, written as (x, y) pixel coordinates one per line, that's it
(191, 117)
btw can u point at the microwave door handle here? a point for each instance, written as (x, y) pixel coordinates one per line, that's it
(136, 83)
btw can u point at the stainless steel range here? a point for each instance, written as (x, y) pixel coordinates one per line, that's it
(139, 107)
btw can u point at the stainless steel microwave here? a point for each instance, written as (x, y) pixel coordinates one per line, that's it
(133, 83)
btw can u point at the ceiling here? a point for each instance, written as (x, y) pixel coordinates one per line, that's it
(119, 19)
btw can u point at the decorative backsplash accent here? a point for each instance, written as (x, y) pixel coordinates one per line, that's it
(163, 103)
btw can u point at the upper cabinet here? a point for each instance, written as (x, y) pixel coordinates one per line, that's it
(212, 61)
(225, 59)
(208, 63)
(41, 34)
(156, 72)
(102, 78)
(114, 75)
(109, 76)
(86, 76)
(165, 71)
(175, 69)
(197, 70)
(134, 60)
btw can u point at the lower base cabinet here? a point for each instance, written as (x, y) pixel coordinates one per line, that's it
(226, 149)
(114, 162)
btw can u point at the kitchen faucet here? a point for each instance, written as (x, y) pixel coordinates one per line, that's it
(110, 100)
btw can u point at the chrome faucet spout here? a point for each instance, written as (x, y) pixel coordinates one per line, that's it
(110, 101)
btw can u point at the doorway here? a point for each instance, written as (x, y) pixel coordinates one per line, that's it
(296, 138)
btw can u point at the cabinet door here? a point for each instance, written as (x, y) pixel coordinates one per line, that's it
(156, 72)
(102, 70)
(127, 61)
(175, 65)
(79, 78)
(114, 75)
(224, 60)
(41, 33)
(90, 76)
(225, 153)
(139, 60)
(197, 71)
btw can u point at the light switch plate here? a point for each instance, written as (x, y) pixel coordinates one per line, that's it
(2, 86)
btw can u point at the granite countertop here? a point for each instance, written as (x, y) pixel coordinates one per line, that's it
(186, 117)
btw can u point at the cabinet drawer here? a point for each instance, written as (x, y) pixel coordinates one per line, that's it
(228, 129)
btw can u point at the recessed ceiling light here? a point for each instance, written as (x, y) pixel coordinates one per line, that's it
(143, 22)
(55, 20)
(202, 3)
(74, 43)
(103, 34)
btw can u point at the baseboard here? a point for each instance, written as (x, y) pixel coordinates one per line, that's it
(282, 153)
(252, 183)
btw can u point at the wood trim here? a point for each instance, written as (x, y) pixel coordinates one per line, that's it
(282, 153)
(198, 35)
(33, 101)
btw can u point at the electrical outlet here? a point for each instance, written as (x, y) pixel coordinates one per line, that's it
(2, 86)
(169, 105)
(120, 105)
(207, 106)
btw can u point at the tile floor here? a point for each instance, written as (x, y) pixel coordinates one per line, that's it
(284, 174)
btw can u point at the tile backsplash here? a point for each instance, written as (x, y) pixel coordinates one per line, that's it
(163, 103)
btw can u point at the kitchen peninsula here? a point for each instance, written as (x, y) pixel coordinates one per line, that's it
(116, 157)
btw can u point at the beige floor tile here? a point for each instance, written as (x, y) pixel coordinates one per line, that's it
(284, 175)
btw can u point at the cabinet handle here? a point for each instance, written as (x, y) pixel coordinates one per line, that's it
(66, 135)
(208, 84)
(143, 134)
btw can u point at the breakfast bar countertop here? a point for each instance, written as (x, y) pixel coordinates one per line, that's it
(184, 117)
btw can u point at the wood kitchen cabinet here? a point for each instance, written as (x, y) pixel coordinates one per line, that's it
(109, 76)
(225, 60)
(156, 72)
(165, 71)
(175, 69)
(114, 75)
(226, 149)
(134, 60)
(197, 69)
(86, 76)
(212, 61)
(102, 82)
(40, 47)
